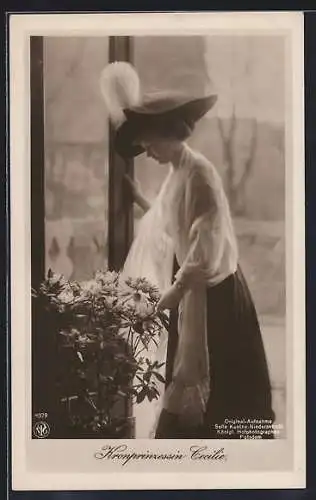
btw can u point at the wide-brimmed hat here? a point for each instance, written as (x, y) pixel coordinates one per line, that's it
(136, 116)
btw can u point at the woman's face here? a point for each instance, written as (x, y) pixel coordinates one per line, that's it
(161, 150)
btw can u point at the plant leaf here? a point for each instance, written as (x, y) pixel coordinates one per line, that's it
(141, 396)
(159, 377)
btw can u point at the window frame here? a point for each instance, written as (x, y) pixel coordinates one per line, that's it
(121, 216)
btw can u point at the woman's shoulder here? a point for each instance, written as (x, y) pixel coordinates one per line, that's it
(203, 169)
(198, 159)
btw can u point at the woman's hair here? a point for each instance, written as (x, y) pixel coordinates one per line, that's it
(172, 128)
(178, 129)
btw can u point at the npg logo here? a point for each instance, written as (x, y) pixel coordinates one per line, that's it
(41, 430)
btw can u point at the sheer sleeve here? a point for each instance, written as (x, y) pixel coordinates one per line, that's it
(203, 227)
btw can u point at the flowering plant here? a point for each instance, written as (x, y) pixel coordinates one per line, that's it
(104, 327)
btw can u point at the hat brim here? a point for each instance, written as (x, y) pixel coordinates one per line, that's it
(140, 120)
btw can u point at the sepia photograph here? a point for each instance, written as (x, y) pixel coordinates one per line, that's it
(214, 106)
(159, 271)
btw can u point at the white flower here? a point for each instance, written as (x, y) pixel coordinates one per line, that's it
(56, 278)
(91, 286)
(107, 278)
(66, 296)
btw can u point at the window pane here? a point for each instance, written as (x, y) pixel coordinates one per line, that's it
(76, 156)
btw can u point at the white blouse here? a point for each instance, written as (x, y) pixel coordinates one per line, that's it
(199, 222)
(197, 218)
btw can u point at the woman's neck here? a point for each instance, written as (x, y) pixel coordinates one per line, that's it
(177, 156)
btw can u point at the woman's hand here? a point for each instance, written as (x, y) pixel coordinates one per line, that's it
(133, 186)
(170, 298)
(134, 189)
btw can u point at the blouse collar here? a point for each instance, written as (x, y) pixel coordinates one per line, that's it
(185, 157)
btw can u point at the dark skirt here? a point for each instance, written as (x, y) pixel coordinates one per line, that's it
(240, 404)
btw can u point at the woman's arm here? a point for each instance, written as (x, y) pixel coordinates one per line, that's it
(202, 221)
(203, 213)
(138, 197)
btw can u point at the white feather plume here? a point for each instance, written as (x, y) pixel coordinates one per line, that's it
(120, 87)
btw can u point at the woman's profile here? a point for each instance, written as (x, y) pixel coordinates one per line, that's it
(216, 366)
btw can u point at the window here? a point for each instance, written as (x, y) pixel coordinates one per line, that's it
(76, 156)
(74, 196)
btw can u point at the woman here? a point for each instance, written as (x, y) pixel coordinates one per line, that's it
(216, 364)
